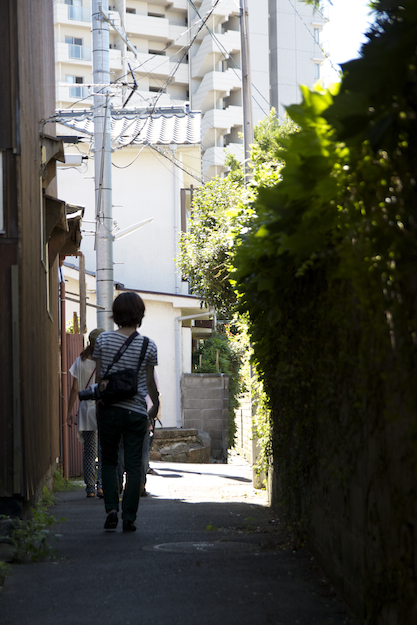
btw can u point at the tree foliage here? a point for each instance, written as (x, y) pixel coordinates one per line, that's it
(347, 195)
(220, 210)
(327, 274)
(205, 249)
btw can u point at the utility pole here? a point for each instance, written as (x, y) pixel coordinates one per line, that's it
(246, 86)
(102, 164)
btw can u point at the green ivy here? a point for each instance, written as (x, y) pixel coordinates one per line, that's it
(327, 274)
(221, 354)
(261, 425)
(4, 571)
(221, 210)
(31, 537)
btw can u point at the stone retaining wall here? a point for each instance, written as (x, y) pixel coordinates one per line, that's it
(185, 445)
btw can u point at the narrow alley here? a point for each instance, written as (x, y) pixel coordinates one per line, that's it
(207, 550)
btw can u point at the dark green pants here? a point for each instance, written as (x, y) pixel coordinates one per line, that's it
(112, 424)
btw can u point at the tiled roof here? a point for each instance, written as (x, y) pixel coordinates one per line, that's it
(161, 126)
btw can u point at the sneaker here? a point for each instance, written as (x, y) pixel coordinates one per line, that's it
(129, 526)
(111, 520)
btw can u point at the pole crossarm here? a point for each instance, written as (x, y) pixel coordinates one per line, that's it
(120, 33)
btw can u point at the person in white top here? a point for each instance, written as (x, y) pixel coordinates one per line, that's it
(83, 371)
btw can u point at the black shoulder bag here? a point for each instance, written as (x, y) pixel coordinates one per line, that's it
(121, 385)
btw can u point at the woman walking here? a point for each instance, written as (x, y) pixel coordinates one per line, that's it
(127, 418)
(83, 371)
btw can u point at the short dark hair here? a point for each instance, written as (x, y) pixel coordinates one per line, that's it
(128, 309)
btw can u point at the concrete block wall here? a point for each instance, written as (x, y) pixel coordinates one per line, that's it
(205, 406)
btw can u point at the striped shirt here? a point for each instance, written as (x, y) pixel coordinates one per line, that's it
(106, 347)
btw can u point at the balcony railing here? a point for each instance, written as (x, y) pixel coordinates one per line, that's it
(79, 92)
(79, 52)
(79, 13)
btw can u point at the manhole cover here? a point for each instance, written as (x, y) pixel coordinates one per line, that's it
(203, 546)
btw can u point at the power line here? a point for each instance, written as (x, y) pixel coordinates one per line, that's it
(165, 153)
(324, 53)
(169, 45)
(187, 48)
(226, 57)
(135, 159)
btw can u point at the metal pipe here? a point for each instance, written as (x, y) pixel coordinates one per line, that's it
(83, 294)
(102, 165)
(178, 183)
(64, 389)
(178, 354)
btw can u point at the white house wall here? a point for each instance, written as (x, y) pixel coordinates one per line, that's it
(144, 260)
(141, 190)
(71, 276)
(186, 350)
(158, 325)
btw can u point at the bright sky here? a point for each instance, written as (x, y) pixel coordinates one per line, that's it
(344, 34)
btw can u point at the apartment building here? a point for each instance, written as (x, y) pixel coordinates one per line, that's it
(190, 51)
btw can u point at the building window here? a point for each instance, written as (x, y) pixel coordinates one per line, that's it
(317, 35)
(73, 41)
(75, 47)
(77, 91)
(76, 11)
(187, 196)
(316, 71)
(157, 52)
(186, 200)
(132, 11)
(155, 14)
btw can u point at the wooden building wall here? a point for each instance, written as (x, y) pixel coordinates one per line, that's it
(9, 142)
(30, 416)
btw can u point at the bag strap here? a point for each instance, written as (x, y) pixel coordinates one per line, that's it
(89, 379)
(143, 351)
(124, 347)
(121, 351)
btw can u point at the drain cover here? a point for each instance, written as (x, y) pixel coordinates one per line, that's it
(204, 546)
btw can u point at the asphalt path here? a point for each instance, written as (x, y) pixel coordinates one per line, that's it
(207, 550)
